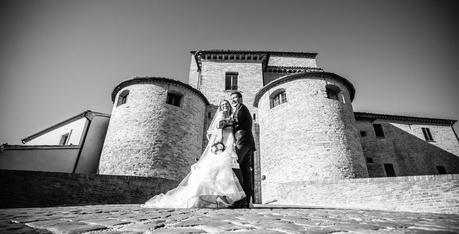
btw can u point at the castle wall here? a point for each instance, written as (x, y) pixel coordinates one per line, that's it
(250, 80)
(309, 137)
(433, 193)
(148, 137)
(193, 78)
(270, 76)
(41, 189)
(212, 85)
(405, 147)
(291, 61)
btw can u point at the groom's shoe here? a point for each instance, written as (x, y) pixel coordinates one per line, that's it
(238, 204)
(247, 204)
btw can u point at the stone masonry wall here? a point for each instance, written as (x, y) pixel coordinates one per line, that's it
(193, 77)
(250, 80)
(434, 193)
(148, 137)
(309, 137)
(41, 189)
(212, 85)
(405, 147)
(270, 76)
(290, 61)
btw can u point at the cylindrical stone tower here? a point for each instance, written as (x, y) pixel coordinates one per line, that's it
(155, 129)
(307, 131)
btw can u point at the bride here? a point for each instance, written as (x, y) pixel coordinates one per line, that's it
(211, 182)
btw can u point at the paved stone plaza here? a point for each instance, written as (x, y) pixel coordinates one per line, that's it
(132, 218)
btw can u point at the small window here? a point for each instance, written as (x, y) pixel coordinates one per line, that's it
(427, 134)
(389, 170)
(278, 99)
(122, 98)
(209, 115)
(254, 116)
(64, 139)
(333, 92)
(174, 99)
(378, 130)
(363, 133)
(231, 81)
(369, 160)
(441, 170)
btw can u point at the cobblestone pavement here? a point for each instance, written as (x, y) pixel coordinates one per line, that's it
(132, 218)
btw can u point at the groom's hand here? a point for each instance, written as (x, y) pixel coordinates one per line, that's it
(230, 122)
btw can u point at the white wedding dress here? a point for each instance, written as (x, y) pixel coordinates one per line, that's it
(211, 182)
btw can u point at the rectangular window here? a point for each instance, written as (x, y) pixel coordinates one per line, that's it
(278, 99)
(389, 170)
(369, 160)
(173, 99)
(427, 134)
(122, 99)
(378, 130)
(64, 139)
(231, 81)
(332, 92)
(441, 170)
(363, 133)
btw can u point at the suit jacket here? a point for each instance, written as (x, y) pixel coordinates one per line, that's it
(242, 127)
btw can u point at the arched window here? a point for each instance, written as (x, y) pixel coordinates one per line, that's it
(333, 92)
(278, 97)
(174, 98)
(231, 80)
(122, 98)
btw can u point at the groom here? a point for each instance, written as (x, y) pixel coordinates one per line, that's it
(245, 145)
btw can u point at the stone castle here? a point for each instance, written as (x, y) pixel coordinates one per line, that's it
(305, 127)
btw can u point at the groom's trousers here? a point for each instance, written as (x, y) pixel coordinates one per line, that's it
(244, 174)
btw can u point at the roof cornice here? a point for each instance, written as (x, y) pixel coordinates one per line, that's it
(293, 69)
(150, 80)
(87, 114)
(247, 55)
(304, 75)
(373, 117)
(270, 52)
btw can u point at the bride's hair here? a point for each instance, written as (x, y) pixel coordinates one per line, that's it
(230, 108)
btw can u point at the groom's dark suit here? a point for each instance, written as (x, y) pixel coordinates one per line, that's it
(245, 145)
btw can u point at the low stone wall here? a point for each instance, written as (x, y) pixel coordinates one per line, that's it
(431, 193)
(41, 189)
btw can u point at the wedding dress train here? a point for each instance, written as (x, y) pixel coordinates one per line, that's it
(211, 182)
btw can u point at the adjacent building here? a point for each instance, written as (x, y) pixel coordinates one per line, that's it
(71, 146)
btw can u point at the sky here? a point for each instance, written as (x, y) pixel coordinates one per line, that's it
(59, 58)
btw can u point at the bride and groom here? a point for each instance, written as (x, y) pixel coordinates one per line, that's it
(222, 177)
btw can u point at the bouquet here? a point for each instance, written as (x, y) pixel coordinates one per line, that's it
(217, 148)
